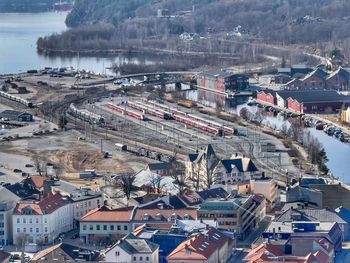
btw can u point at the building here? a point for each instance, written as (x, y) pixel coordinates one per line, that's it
(238, 215)
(311, 101)
(42, 221)
(205, 169)
(345, 215)
(104, 225)
(277, 251)
(308, 196)
(267, 97)
(222, 81)
(207, 246)
(333, 195)
(296, 231)
(338, 80)
(346, 115)
(12, 115)
(314, 80)
(320, 215)
(269, 189)
(152, 182)
(134, 250)
(163, 169)
(65, 253)
(8, 201)
(294, 70)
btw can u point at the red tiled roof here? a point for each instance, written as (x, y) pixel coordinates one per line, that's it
(41, 254)
(322, 256)
(103, 214)
(199, 247)
(140, 228)
(46, 206)
(166, 213)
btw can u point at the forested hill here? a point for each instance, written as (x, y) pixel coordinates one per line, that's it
(24, 6)
(286, 21)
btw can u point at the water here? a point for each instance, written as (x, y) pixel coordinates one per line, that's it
(338, 153)
(18, 53)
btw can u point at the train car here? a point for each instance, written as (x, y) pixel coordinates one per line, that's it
(229, 131)
(85, 115)
(166, 108)
(128, 112)
(17, 99)
(160, 113)
(198, 125)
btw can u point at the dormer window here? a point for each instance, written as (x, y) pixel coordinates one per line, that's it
(145, 216)
(173, 217)
(186, 217)
(159, 216)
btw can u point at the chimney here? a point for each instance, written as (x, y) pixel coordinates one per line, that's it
(48, 187)
(206, 227)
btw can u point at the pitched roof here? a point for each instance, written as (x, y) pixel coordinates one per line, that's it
(343, 213)
(322, 215)
(11, 114)
(133, 245)
(4, 256)
(65, 250)
(191, 198)
(6, 196)
(46, 206)
(104, 214)
(243, 164)
(200, 246)
(341, 72)
(319, 73)
(37, 181)
(192, 157)
(164, 214)
(158, 166)
(307, 96)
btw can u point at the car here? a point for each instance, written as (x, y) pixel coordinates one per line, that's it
(28, 165)
(25, 174)
(17, 170)
(6, 184)
(15, 257)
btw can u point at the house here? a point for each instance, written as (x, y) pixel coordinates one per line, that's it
(8, 201)
(346, 115)
(12, 115)
(295, 69)
(221, 81)
(238, 215)
(267, 97)
(4, 257)
(293, 84)
(65, 253)
(320, 215)
(315, 80)
(201, 165)
(209, 246)
(42, 221)
(163, 168)
(36, 181)
(24, 190)
(151, 182)
(104, 225)
(205, 169)
(333, 195)
(236, 169)
(134, 250)
(308, 196)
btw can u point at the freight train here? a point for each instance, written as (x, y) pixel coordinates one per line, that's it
(126, 111)
(85, 115)
(17, 99)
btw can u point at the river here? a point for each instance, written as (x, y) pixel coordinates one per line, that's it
(18, 53)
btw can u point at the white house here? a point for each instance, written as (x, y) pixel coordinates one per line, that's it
(8, 201)
(42, 221)
(134, 250)
(269, 189)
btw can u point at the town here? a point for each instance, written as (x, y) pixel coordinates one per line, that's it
(129, 169)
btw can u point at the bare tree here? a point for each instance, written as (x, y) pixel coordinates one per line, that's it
(178, 174)
(126, 184)
(245, 113)
(40, 164)
(59, 169)
(156, 182)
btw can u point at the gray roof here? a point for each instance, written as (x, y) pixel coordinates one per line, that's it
(10, 114)
(322, 215)
(133, 245)
(242, 165)
(307, 96)
(7, 196)
(159, 166)
(216, 73)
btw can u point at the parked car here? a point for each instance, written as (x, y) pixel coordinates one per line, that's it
(17, 170)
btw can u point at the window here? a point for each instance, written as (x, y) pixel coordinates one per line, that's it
(30, 221)
(147, 258)
(84, 227)
(37, 220)
(18, 230)
(117, 253)
(118, 227)
(112, 227)
(24, 230)
(24, 221)
(134, 258)
(1, 224)
(37, 230)
(89, 203)
(45, 220)
(126, 228)
(85, 204)
(18, 221)
(31, 230)
(98, 227)
(45, 229)
(105, 227)
(141, 258)
(91, 227)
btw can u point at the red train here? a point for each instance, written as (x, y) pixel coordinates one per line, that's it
(199, 125)
(154, 112)
(128, 112)
(166, 108)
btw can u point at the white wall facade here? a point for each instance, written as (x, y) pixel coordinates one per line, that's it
(81, 208)
(118, 255)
